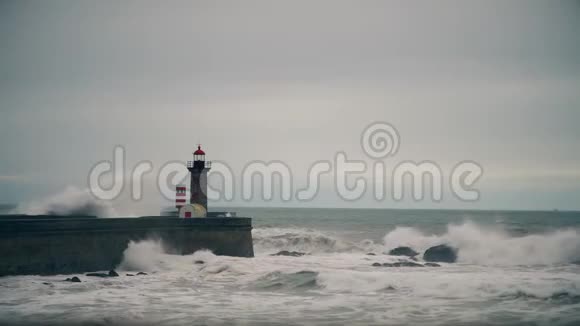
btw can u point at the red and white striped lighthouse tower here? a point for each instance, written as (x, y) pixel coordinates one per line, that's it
(180, 196)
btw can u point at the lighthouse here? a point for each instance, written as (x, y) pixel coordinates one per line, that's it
(180, 195)
(198, 169)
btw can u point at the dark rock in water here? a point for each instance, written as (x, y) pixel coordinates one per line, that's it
(48, 283)
(199, 262)
(371, 254)
(74, 280)
(441, 253)
(112, 273)
(97, 274)
(129, 275)
(377, 265)
(403, 251)
(432, 265)
(141, 273)
(289, 253)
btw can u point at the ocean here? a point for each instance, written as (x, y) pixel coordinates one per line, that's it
(514, 268)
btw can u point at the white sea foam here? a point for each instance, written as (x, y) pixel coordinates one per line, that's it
(486, 245)
(477, 244)
(319, 288)
(335, 283)
(352, 273)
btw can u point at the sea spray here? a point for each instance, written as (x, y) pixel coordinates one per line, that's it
(151, 255)
(479, 244)
(143, 256)
(70, 202)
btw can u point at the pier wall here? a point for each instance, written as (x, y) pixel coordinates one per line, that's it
(65, 245)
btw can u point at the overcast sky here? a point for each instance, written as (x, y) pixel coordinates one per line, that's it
(496, 82)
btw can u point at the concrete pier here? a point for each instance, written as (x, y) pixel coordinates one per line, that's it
(45, 245)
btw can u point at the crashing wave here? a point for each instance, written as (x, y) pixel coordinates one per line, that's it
(485, 245)
(303, 240)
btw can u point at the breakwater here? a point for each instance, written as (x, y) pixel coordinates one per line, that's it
(48, 245)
